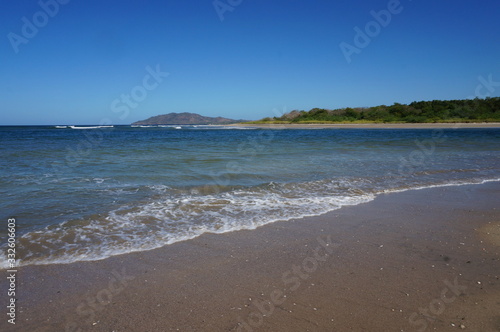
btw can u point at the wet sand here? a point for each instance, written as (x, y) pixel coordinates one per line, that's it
(372, 125)
(422, 260)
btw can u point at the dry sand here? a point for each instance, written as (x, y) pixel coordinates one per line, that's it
(419, 260)
(373, 125)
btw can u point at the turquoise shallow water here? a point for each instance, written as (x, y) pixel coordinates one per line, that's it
(91, 193)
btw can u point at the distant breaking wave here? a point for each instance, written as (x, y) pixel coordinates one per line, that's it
(91, 127)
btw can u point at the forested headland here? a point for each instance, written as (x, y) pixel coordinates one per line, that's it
(435, 111)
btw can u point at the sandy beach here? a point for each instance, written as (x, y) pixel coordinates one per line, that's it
(373, 125)
(421, 260)
(247, 166)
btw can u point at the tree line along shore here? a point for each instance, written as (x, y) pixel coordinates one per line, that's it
(435, 111)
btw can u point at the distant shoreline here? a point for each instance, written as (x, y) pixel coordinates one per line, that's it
(370, 125)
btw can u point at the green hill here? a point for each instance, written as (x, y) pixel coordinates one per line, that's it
(467, 110)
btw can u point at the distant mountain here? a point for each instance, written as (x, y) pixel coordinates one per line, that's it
(185, 119)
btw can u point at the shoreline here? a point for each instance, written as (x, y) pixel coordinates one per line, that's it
(372, 125)
(370, 266)
(66, 260)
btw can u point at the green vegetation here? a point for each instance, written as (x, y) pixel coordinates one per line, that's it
(468, 110)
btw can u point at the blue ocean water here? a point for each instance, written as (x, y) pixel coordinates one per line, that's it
(86, 194)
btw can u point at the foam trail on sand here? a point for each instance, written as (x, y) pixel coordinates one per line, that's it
(174, 217)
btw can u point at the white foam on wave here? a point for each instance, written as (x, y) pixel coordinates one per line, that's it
(220, 127)
(446, 184)
(179, 217)
(91, 127)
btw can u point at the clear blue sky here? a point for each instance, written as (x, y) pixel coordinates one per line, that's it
(263, 55)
